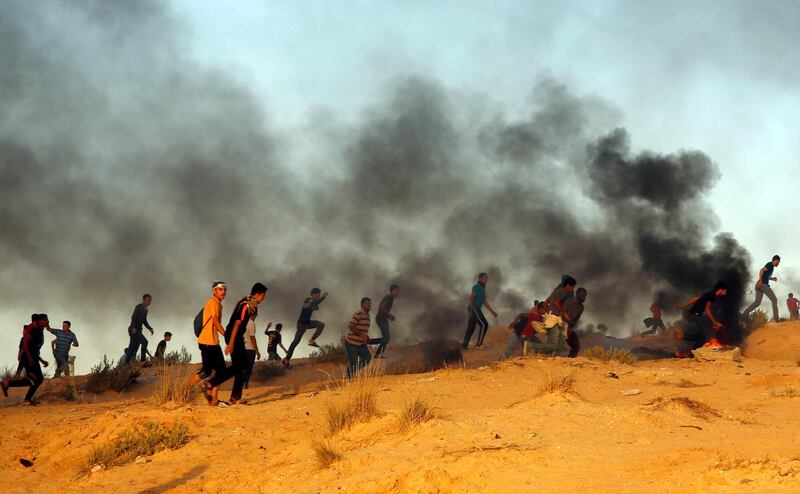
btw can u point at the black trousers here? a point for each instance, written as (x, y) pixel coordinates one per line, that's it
(476, 318)
(238, 368)
(574, 343)
(302, 327)
(251, 362)
(386, 336)
(214, 362)
(33, 378)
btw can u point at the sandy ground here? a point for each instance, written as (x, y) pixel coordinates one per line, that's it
(656, 426)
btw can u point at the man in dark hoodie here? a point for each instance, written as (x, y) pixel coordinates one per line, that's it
(29, 359)
(235, 334)
(136, 328)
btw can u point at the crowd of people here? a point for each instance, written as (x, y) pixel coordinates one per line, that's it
(550, 325)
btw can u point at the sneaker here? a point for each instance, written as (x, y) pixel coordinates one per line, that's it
(5, 386)
(286, 363)
(313, 343)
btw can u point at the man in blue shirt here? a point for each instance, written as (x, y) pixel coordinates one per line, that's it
(477, 299)
(763, 288)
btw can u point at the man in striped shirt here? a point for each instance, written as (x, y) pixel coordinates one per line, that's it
(61, 345)
(357, 338)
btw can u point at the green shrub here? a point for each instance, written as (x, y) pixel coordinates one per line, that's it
(756, 319)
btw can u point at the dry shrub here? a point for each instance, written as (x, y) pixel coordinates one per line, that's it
(612, 354)
(329, 353)
(417, 412)
(695, 408)
(182, 357)
(174, 384)
(326, 454)
(359, 403)
(7, 372)
(67, 393)
(105, 375)
(557, 384)
(140, 440)
(266, 370)
(756, 319)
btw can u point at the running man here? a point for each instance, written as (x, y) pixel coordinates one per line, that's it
(357, 339)
(656, 323)
(65, 339)
(382, 319)
(477, 299)
(558, 318)
(135, 330)
(304, 322)
(246, 308)
(701, 323)
(208, 341)
(29, 358)
(763, 288)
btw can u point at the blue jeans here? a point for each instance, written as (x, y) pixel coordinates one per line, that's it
(358, 356)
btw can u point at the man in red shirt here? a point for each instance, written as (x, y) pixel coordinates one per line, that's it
(794, 307)
(524, 327)
(655, 323)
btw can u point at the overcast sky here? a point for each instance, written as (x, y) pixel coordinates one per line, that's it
(719, 77)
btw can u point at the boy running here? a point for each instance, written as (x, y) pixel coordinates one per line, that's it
(235, 336)
(763, 288)
(382, 319)
(65, 339)
(304, 322)
(29, 358)
(357, 338)
(477, 299)
(275, 340)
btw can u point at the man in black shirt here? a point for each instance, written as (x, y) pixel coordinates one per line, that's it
(382, 319)
(763, 288)
(161, 349)
(135, 330)
(235, 334)
(573, 307)
(701, 323)
(275, 340)
(304, 322)
(30, 358)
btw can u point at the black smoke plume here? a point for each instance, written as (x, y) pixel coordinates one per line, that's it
(128, 167)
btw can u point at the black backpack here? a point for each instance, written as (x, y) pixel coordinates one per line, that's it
(198, 323)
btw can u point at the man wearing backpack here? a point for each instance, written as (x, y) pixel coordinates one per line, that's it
(208, 327)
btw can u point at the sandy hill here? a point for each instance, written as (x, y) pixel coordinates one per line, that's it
(656, 426)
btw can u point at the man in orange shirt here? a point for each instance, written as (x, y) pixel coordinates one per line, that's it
(210, 351)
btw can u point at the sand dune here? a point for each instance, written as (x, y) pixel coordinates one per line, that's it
(689, 428)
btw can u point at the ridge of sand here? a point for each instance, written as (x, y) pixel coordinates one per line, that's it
(778, 341)
(693, 427)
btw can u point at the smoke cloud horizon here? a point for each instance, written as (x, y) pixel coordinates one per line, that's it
(127, 167)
